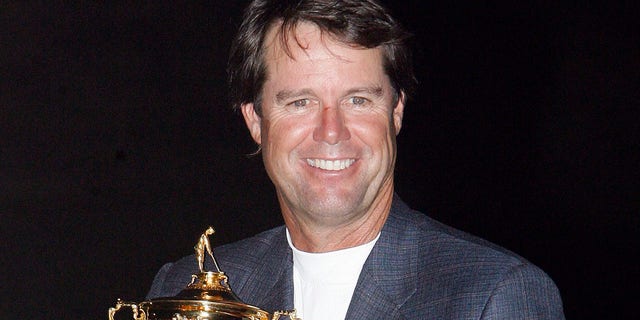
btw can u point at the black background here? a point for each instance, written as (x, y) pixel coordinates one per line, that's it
(118, 147)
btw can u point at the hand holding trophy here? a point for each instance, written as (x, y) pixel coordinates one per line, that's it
(207, 297)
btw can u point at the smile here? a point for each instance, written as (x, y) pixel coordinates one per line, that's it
(332, 165)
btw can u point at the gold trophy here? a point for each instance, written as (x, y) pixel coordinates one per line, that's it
(207, 297)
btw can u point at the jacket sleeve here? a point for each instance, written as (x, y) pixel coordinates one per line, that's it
(525, 292)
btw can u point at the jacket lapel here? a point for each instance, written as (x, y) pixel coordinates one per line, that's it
(387, 279)
(280, 295)
(370, 301)
(270, 285)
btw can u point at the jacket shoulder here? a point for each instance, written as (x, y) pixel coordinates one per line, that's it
(235, 259)
(460, 274)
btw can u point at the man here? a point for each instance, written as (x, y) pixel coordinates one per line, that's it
(322, 86)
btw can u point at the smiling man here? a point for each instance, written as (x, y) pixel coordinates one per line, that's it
(327, 127)
(322, 86)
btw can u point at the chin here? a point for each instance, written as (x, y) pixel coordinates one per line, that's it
(334, 205)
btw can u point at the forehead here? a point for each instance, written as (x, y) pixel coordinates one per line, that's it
(305, 42)
(307, 60)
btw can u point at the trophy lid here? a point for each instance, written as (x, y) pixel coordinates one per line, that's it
(208, 296)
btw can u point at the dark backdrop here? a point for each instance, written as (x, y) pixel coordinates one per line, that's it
(117, 146)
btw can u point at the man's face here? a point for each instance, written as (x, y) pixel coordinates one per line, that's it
(327, 129)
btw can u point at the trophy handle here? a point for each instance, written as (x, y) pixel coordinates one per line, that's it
(134, 309)
(289, 313)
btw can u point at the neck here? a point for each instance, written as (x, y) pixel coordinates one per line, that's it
(310, 236)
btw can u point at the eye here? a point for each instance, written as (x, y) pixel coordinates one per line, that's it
(300, 103)
(358, 101)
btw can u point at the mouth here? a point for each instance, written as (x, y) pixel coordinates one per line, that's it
(330, 165)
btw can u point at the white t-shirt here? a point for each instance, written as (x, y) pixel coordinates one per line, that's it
(323, 283)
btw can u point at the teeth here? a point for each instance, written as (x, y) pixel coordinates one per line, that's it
(332, 165)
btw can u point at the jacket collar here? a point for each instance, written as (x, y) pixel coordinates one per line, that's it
(271, 286)
(387, 279)
(386, 282)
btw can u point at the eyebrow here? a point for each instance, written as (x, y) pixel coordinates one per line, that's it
(375, 91)
(285, 95)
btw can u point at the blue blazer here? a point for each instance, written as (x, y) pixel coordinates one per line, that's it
(418, 269)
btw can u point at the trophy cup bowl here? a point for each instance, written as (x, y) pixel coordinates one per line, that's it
(207, 297)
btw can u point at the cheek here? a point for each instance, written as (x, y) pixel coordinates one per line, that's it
(377, 133)
(283, 136)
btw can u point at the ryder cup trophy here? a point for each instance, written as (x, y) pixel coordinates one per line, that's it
(207, 297)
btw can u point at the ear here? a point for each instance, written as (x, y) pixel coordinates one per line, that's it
(398, 112)
(253, 121)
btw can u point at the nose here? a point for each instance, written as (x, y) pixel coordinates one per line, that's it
(331, 128)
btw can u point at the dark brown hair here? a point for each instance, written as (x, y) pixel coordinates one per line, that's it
(363, 23)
